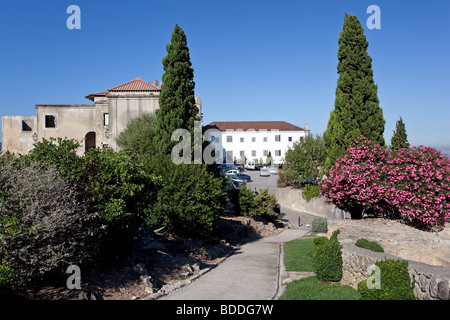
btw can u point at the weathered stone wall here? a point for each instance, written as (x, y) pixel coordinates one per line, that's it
(431, 282)
(292, 198)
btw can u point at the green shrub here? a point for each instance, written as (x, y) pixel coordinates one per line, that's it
(190, 200)
(319, 241)
(395, 282)
(266, 205)
(244, 201)
(310, 191)
(370, 245)
(6, 275)
(319, 225)
(327, 259)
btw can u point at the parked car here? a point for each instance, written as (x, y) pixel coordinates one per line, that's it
(232, 172)
(258, 167)
(264, 172)
(242, 176)
(273, 170)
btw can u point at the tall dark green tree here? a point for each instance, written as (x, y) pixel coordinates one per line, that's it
(177, 108)
(400, 139)
(356, 107)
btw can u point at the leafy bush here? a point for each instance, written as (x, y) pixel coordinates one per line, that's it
(395, 282)
(306, 159)
(412, 183)
(319, 225)
(43, 227)
(138, 135)
(6, 275)
(266, 205)
(118, 187)
(370, 245)
(310, 191)
(190, 201)
(319, 241)
(327, 259)
(243, 200)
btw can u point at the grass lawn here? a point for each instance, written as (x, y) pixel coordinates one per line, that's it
(297, 258)
(311, 288)
(297, 254)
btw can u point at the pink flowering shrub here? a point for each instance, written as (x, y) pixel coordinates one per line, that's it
(413, 184)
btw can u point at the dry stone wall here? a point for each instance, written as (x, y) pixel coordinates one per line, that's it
(431, 282)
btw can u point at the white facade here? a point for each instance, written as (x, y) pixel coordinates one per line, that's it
(254, 143)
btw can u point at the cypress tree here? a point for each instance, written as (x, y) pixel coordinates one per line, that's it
(177, 109)
(399, 140)
(356, 107)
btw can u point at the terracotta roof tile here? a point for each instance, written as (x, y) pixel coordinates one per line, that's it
(136, 85)
(255, 125)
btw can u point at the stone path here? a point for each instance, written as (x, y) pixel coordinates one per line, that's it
(250, 273)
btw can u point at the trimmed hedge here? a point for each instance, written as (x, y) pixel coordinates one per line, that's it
(319, 225)
(327, 258)
(395, 282)
(369, 245)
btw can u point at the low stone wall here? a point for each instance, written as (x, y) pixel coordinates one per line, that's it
(293, 198)
(431, 282)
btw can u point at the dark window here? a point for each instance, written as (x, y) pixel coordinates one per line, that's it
(290, 139)
(277, 153)
(229, 138)
(278, 137)
(242, 139)
(26, 127)
(50, 121)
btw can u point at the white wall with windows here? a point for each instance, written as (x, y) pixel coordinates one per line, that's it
(255, 145)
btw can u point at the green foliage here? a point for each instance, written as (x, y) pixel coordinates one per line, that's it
(356, 108)
(319, 241)
(400, 139)
(6, 275)
(306, 159)
(395, 281)
(319, 225)
(139, 134)
(249, 203)
(59, 152)
(243, 200)
(327, 259)
(177, 109)
(369, 245)
(310, 191)
(190, 200)
(266, 205)
(118, 187)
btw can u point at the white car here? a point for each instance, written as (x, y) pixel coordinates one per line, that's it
(232, 172)
(273, 170)
(264, 172)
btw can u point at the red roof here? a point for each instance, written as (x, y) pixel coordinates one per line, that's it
(254, 125)
(135, 85)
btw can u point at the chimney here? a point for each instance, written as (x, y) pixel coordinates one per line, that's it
(155, 83)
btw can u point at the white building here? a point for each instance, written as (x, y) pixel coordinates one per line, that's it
(253, 140)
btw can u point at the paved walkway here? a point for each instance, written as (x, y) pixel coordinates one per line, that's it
(251, 273)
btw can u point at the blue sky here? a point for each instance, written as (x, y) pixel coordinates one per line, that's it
(252, 60)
